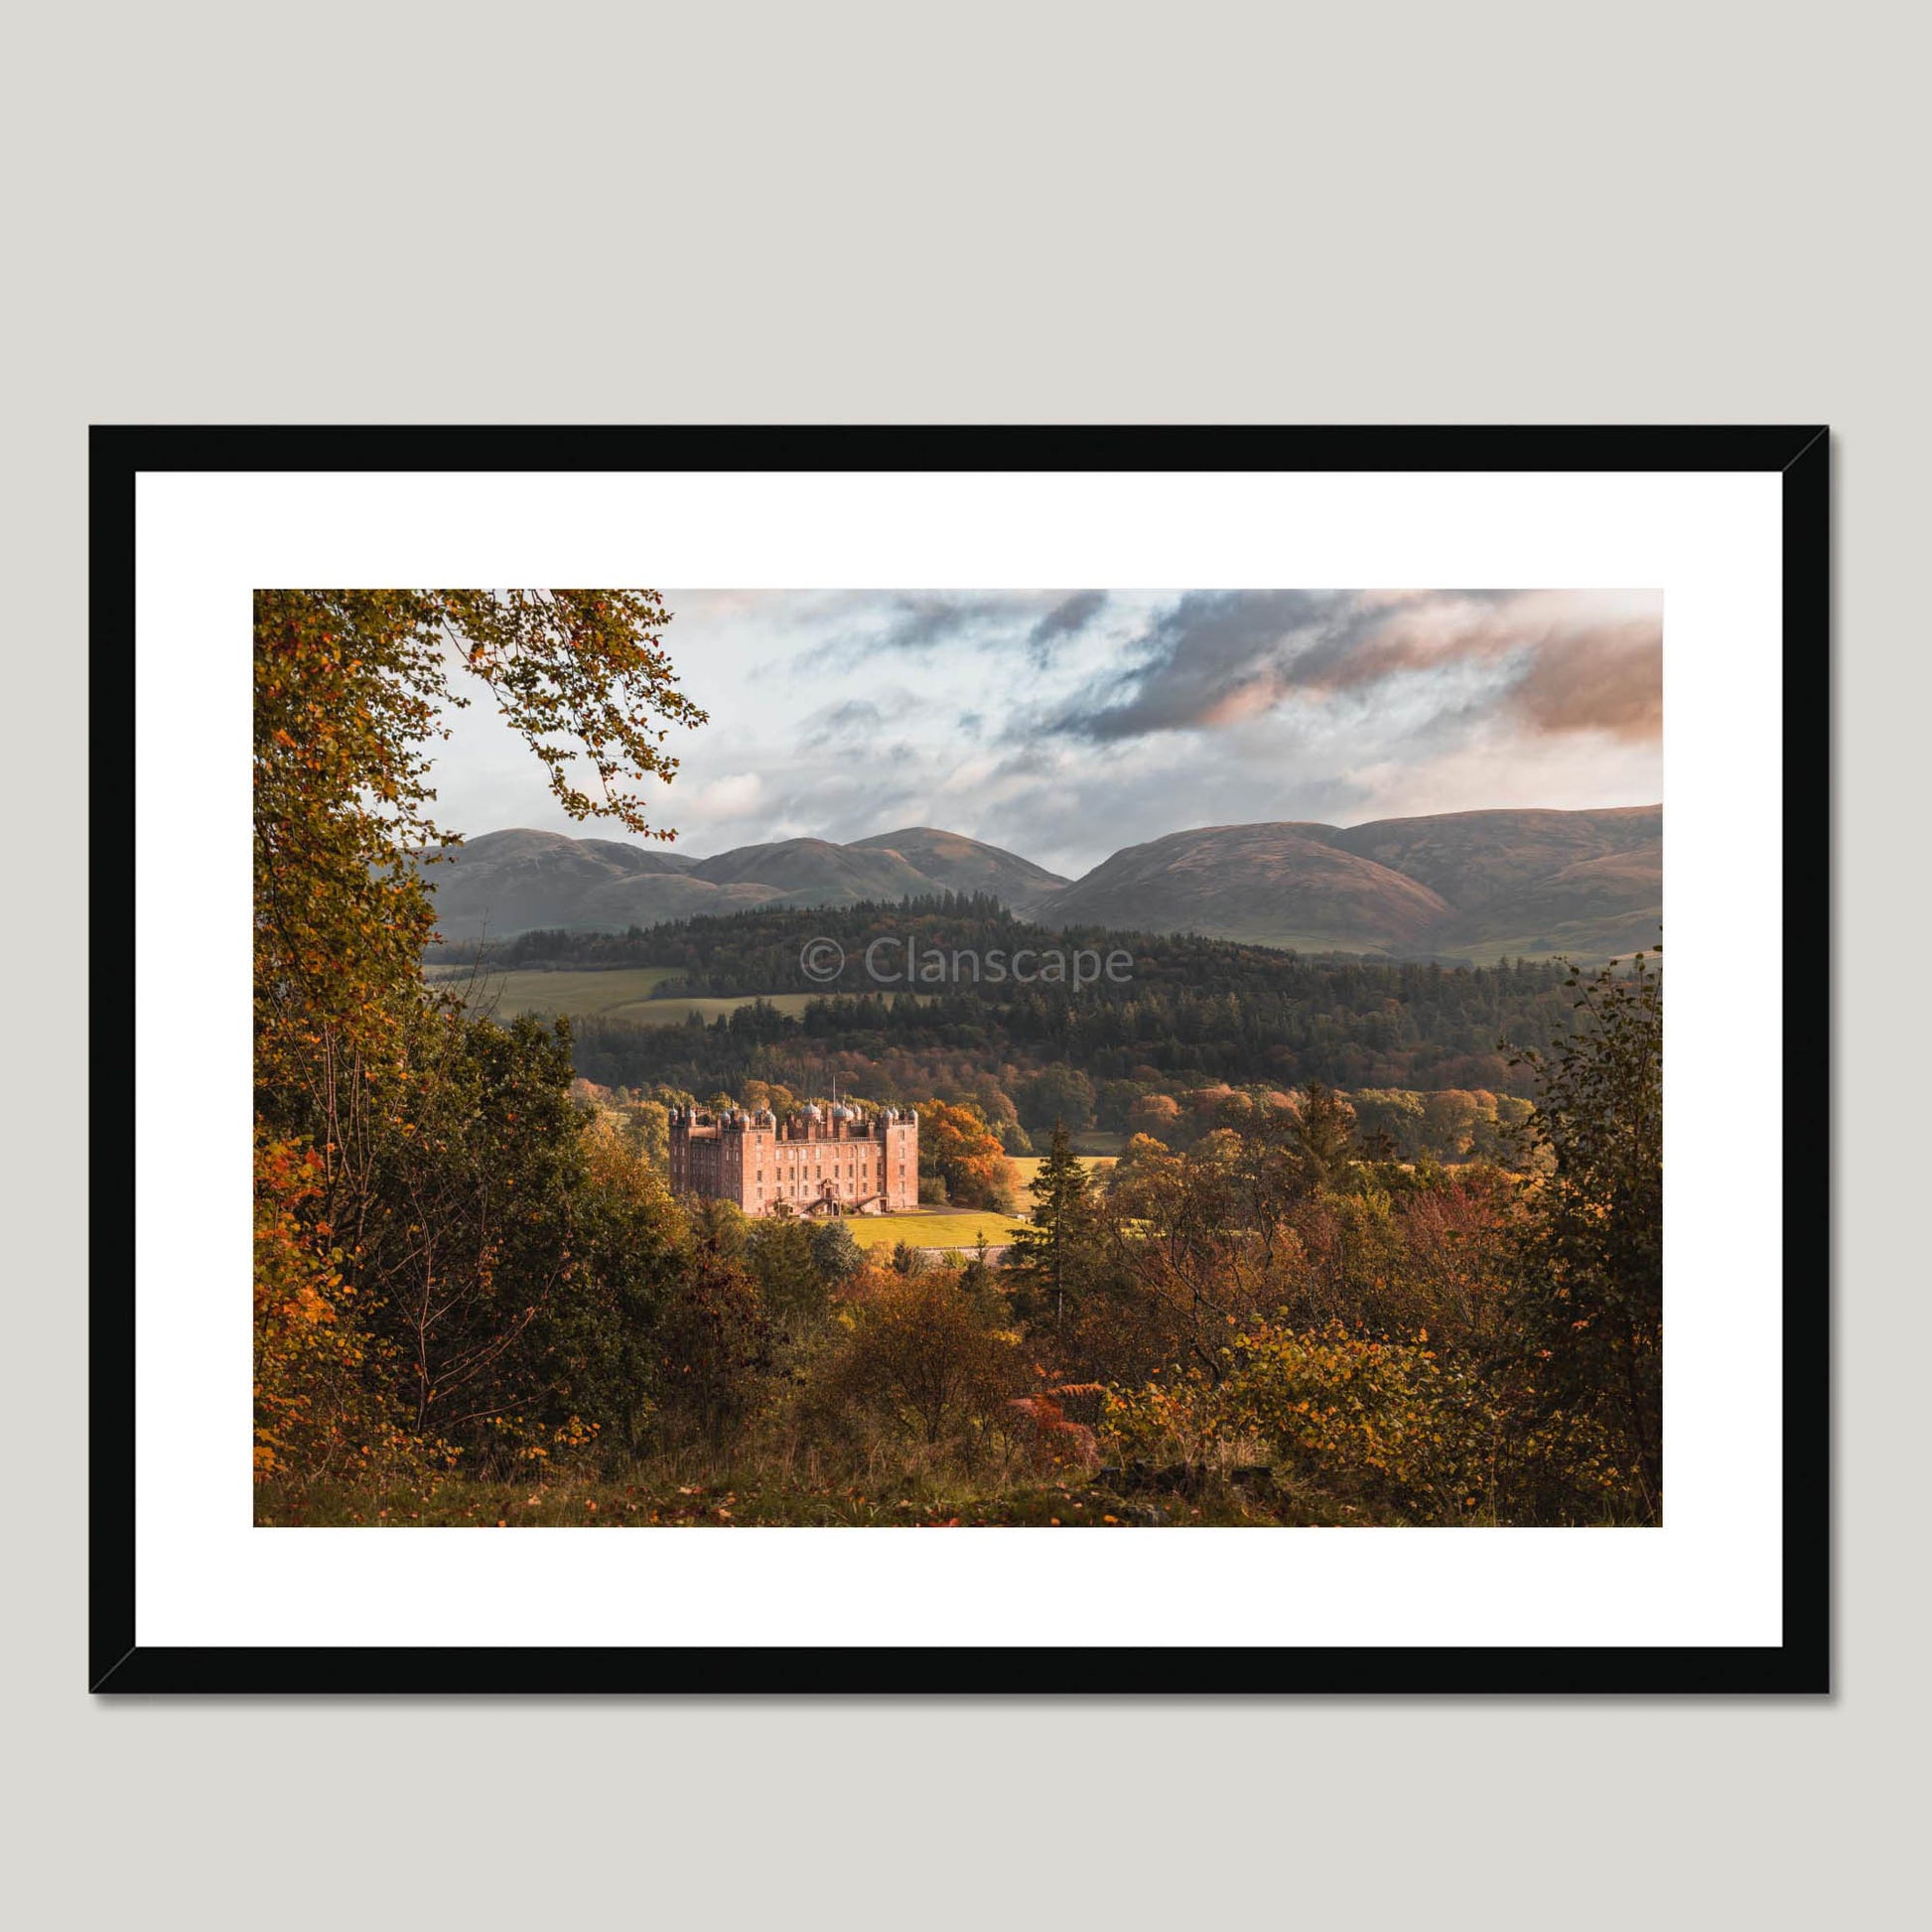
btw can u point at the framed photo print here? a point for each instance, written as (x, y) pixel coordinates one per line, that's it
(978, 985)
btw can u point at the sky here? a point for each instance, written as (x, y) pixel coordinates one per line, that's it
(1064, 724)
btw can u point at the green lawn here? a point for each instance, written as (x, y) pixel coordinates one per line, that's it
(934, 1227)
(1026, 1165)
(624, 992)
(571, 993)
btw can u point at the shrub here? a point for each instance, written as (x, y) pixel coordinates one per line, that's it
(917, 1356)
(319, 1412)
(1365, 1419)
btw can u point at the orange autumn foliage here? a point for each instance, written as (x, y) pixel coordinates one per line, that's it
(317, 1410)
(956, 1144)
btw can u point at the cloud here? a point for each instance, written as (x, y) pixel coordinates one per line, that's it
(856, 718)
(1214, 655)
(1610, 680)
(920, 623)
(738, 794)
(1217, 658)
(1067, 619)
(1064, 724)
(925, 620)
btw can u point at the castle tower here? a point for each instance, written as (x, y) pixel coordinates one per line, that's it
(900, 1136)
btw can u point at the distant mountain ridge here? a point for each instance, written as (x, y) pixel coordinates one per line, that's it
(1275, 884)
(510, 881)
(1454, 886)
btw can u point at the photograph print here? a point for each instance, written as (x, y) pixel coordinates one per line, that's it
(1076, 1058)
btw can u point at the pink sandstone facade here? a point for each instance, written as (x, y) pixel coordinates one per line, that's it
(813, 1162)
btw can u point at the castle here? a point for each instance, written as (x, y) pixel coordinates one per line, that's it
(810, 1163)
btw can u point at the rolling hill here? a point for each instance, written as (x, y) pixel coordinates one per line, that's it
(814, 872)
(1458, 886)
(1271, 884)
(1474, 859)
(508, 881)
(1529, 884)
(963, 865)
(505, 883)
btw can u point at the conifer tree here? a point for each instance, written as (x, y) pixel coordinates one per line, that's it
(1054, 1252)
(1327, 1131)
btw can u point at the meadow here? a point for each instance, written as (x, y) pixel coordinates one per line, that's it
(937, 1227)
(1026, 1165)
(623, 993)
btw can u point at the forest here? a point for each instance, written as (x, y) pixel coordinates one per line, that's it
(1382, 1244)
(1187, 1011)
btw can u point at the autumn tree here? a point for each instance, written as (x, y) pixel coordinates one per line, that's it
(350, 688)
(766, 1093)
(1155, 1115)
(1181, 1232)
(1390, 1121)
(714, 1345)
(455, 1217)
(594, 1351)
(1456, 1233)
(958, 1146)
(918, 1353)
(645, 1126)
(445, 1191)
(1450, 1118)
(319, 1413)
(1589, 1304)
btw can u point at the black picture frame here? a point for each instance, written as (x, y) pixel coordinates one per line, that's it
(1801, 1663)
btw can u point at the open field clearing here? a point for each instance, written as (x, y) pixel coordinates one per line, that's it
(571, 993)
(1026, 1165)
(624, 992)
(940, 1228)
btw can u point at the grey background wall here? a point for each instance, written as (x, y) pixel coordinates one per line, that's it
(997, 213)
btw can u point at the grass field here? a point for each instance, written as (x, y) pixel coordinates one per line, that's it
(939, 1227)
(1026, 1166)
(624, 992)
